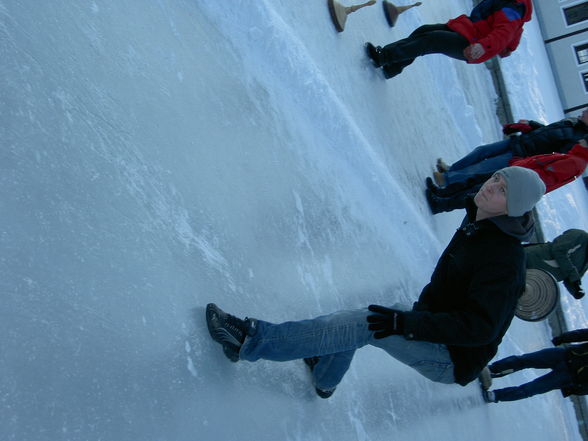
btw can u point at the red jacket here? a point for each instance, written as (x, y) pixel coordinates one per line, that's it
(556, 169)
(499, 34)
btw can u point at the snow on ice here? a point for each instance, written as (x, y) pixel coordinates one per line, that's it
(157, 156)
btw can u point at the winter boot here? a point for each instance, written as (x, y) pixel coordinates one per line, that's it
(227, 330)
(437, 204)
(442, 167)
(458, 189)
(391, 70)
(432, 200)
(431, 186)
(449, 190)
(311, 363)
(485, 378)
(374, 53)
(439, 178)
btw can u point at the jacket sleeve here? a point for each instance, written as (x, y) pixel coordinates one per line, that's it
(574, 336)
(580, 152)
(565, 169)
(562, 248)
(505, 34)
(487, 306)
(555, 169)
(535, 125)
(512, 46)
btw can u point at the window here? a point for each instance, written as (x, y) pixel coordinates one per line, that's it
(576, 14)
(585, 79)
(582, 53)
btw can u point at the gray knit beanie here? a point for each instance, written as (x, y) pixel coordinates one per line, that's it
(524, 188)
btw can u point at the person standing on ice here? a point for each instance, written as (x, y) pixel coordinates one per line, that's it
(451, 332)
(555, 169)
(569, 370)
(535, 139)
(494, 27)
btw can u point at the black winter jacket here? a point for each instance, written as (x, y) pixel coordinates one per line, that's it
(558, 137)
(577, 361)
(473, 293)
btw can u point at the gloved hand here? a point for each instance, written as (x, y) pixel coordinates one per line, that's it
(473, 51)
(556, 341)
(385, 321)
(577, 290)
(508, 129)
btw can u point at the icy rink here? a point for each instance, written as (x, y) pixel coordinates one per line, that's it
(157, 156)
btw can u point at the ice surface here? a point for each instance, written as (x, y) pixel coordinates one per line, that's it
(157, 156)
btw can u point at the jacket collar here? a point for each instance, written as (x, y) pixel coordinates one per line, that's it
(521, 227)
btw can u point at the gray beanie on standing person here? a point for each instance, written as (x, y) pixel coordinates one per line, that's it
(524, 188)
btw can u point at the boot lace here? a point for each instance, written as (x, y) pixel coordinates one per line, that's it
(235, 326)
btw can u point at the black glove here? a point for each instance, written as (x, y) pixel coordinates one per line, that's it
(386, 321)
(577, 291)
(556, 341)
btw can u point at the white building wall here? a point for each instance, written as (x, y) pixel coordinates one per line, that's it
(552, 18)
(561, 39)
(568, 71)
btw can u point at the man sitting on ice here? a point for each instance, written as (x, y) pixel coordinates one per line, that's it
(454, 328)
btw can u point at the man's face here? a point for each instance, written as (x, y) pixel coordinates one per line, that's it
(491, 198)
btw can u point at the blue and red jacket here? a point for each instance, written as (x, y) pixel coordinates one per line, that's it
(499, 33)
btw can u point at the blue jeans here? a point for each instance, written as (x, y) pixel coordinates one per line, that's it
(335, 337)
(484, 159)
(551, 358)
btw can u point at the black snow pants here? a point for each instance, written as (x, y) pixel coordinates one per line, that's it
(427, 39)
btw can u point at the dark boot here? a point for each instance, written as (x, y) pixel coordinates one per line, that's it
(390, 56)
(437, 204)
(457, 189)
(469, 186)
(311, 363)
(227, 330)
(374, 53)
(392, 69)
(446, 191)
(432, 186)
